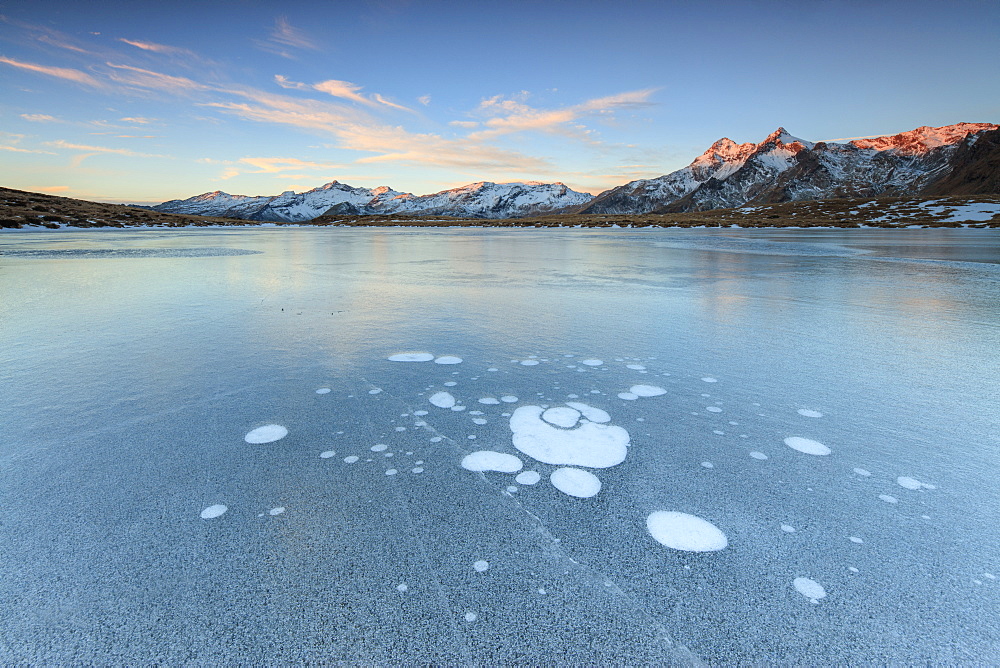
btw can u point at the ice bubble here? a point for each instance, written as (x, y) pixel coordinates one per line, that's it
(411, 357)
(853, 569)
(401, 587)
(888, 498)
(391, 472)
(442, 399)
(590, 444)
(489, 401)
(377, 390)
(481, 566)
(458, 408)
(713, 409)
(417, 470)
(323, 390)
(681, 531)
(266, 434)
(493, 368)
(436, 439)
(636, 367)
(592, 362)
(908, 483)
(806, 445)
(989, 576)
(529, 363)
(589, 412)
(528, 477)
(758, 455)
(509, 399)
(709, 379)
(647, 390)
(213, 511)
(276, 511)
(809, 588)
(575, 482)
(810, 413)
(420, 413)
(863, 472)
(351, 459)
(628, 396)
(719, 432)
(708, 465)
(448, 359)
(788, 528)
(450, 383)
(478, 420)
(379, 447)
(400, 428)
(471, 617)
(487, 460)
(562, 417)
(855, 539)
(327, 454)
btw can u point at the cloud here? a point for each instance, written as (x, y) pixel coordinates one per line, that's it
(274, 165)
(135, 76)
(464, 124)
(40, 118)
(50, 189)
(58, 72)
(424, 100)
(138, 120)
(285, 83)
(288, 35)
(16, 149)
(344, 90)
(89, 151)
(156, 48)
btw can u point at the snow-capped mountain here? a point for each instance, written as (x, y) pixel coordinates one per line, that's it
(476, 200)
(785, 168)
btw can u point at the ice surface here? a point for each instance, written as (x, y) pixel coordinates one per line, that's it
(266, 434)
(681, 531)
(213, 511)
(806, 445)
(575, 482)
(442, 399)
(488, 460)
(809, 588)
(411, 357)
(591, 444)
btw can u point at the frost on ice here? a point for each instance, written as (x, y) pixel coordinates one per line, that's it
(266, 434)
(487, 460)
(590, 444)
(681, 531)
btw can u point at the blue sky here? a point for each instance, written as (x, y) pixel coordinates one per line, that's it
(144, 102)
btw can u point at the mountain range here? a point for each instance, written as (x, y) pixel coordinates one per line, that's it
(960, 159)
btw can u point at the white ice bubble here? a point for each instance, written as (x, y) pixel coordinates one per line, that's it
(888, 498)
(589, 412)
(351, 459)
(266, 434)
(810, 413)
(276, 511)
(628, 396)
(591, 444)
(327, 454)
(471, 617)
(709, 379)
(411, 357)
(592, 362)
(635, 367)
(575, 482)
(450, 383)
(448, 359)
(487, 460)
(417, 469)
(788, 528)
(323, 390)
(379, 447)
(377, 390)
(420, 413)
(528, 477)
(436, 439)
(391, 472)
(442, 399)
(562, 416)
(401, 587)
(713, 409)
(758, 455)
(681, 531)
(809, 588)
(478, 420)
(509, 399)
(647, 390)
(213, 511)
(807, 445)
(400, 429)
(719, 432)
(481, 566)
(855, 539)
(853, 569)
(863, 472)
(489, 401)
(529, 363)
(708, 465)
(908, 483)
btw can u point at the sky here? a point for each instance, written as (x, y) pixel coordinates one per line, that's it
(149, 101)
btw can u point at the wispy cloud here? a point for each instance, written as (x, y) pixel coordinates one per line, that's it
(157, 48)
(285, 36)
(138, 120)
(51, 189)
(89, 151)
(66, 73)
(464, 124)
(17, 149)
(136, 76)
(40, 118)
(344, 90)
(424, 100)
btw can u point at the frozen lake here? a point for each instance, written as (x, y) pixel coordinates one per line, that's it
(590, 446)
